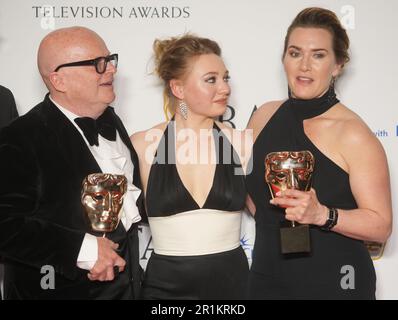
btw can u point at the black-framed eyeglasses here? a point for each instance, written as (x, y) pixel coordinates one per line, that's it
(100, 63)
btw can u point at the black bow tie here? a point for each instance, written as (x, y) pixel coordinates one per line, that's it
(104, 125)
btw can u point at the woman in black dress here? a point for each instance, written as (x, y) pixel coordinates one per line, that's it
(351, 175)
(193, 180)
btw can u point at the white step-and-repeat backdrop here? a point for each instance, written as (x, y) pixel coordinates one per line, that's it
(251, 35)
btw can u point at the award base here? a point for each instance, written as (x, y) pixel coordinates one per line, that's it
(295, 239)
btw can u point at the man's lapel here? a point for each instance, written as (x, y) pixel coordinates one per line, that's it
(69, 141)
(74, 149)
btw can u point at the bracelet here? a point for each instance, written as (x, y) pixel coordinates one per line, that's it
(332, 219)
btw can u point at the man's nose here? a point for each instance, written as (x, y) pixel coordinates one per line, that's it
(110, 68)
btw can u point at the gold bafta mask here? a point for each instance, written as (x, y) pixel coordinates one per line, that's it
(289, 170)
(102, 199)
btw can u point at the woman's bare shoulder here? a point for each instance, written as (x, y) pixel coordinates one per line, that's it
(141, 139)
(349, 123)
(352, 130)
(262, 115)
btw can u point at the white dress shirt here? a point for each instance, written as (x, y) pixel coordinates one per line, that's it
(112, 157)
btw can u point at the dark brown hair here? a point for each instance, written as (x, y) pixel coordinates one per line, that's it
(325, 19)
(172, 60)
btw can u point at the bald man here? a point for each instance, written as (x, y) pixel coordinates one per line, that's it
(50, 251)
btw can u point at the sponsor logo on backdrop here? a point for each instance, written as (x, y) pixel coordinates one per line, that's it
(247, 246)
(229, 115)
(111, 12)
(385, 133)
(381, 133)
(145, 241)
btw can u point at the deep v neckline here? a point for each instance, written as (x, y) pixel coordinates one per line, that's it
(166, 193)
(189, 194)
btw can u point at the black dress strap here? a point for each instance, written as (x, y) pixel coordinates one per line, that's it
(166, 194)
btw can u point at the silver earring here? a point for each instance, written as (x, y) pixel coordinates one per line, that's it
(331, 93)
(183, 109)
(333, 82)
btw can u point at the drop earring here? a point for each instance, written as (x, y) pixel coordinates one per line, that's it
(331, 93)
(332, 82)
(183, 109)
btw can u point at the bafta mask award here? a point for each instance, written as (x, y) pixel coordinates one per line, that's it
(291, 170)
(102, 199)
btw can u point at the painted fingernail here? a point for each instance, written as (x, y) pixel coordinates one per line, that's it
(278, 194)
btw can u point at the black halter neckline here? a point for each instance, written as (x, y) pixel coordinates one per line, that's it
(306, 109)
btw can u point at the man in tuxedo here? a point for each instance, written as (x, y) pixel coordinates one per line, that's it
(49, 250)
(8, 109)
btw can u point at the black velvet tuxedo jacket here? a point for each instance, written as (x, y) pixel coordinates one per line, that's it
(8, 109)
(44, 160)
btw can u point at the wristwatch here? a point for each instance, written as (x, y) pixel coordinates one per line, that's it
(332, 219)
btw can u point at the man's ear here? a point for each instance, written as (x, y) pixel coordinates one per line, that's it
(177, 88)
(57, 81)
